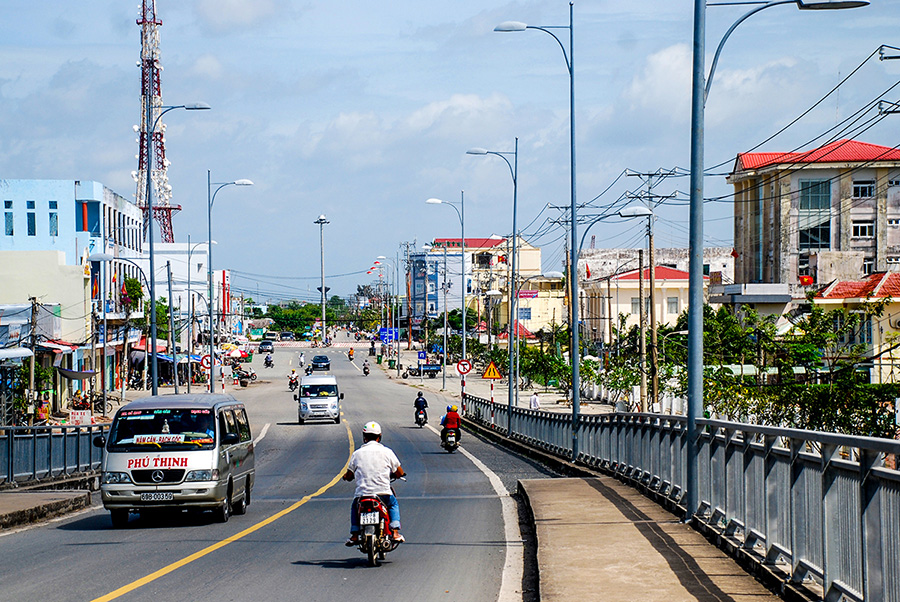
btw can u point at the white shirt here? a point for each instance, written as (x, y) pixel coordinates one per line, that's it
(372, 465)
(535, 402)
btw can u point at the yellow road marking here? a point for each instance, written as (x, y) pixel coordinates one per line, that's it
(221, 544)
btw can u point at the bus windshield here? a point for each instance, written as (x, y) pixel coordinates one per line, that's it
(163, 428)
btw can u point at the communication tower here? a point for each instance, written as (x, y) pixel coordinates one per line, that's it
(157, 166)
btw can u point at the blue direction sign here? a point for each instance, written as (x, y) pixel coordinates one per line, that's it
(389, 334)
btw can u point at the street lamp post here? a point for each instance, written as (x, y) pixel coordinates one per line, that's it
(191, 304)
(211, 198)
(512, 376)
(149, 195)
(575, 351)
(321, 222)
(700, 85)
(461, 214)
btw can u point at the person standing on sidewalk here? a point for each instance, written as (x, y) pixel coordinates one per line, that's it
(535, 402)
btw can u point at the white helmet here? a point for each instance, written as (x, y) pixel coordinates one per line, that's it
(372, 428)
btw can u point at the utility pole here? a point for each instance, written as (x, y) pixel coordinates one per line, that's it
(172, 328)
(31, 395)
(651, 180)
(321, 222)
(446, 287)
(643, 330)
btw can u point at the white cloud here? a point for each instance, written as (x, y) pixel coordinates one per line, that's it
(207, 66)
(663, 86)
(222, 15)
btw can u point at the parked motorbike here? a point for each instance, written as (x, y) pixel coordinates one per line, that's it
(450, 440)
(365, 370)
(292, 382)
(376, 537)
(420, 418)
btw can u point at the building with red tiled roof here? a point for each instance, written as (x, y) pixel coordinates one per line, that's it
(814, 216)
(878, 333)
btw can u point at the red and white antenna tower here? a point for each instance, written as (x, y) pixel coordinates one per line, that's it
(150, 93)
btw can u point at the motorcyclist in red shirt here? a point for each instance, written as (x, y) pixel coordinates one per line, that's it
(451, 420)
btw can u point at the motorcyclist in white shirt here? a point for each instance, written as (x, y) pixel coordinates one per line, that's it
(373, 466)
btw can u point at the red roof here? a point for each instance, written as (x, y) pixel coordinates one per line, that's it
(661, 273)
(878, 285)
(520, 331)
(840, 151)
(471, 243)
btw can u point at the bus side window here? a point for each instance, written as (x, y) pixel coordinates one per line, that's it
(243, 425)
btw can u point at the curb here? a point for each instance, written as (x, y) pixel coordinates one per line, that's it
(45, 511)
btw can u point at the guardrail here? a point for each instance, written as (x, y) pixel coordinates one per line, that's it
(821, 509)
(46, 452)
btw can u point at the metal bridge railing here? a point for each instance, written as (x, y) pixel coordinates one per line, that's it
(45, 452)
(820, 508)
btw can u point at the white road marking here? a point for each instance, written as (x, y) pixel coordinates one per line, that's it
(511, 580)
(262, 434)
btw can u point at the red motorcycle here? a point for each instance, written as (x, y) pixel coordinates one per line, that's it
(376, 538)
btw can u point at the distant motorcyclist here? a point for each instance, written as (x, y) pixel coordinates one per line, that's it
(373, 466)
(365, 367)
(421, 404)
(268, 363)
(350, 354)
(302, 359)
(451, 420)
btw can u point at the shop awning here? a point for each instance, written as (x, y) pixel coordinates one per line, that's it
(162, 357)
(60, 346)
(142, 345)
(14, 353)
(75, 374)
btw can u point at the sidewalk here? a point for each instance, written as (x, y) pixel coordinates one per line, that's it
(599, 539)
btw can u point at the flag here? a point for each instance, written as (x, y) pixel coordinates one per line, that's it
(95, 288)
(587, 269)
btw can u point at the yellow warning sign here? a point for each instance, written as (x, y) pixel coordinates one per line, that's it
(491, 373)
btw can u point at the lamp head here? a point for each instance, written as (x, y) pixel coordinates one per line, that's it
(197, 106)
(100, 257)
(477, 151)
(243, 183)
(639, 211)
(552, 274)
(511, 26)
(830, 4)
(434, 201)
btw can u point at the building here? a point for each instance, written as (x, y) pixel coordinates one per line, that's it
(618, 296)
(812, 217)
(488, 267)
(50, 230)
(593, 264)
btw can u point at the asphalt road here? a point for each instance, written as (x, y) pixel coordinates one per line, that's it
(451, 517)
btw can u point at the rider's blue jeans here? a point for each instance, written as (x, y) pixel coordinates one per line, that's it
(390, 502)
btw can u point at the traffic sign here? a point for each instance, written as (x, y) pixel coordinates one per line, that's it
(491, 373)
(463, 367)
(204, 361)
(423, 355)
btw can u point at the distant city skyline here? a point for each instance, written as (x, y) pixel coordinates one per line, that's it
(364, 112)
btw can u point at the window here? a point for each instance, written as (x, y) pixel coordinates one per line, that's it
(243, 424)
(815, 214)
(868, 265)
(893, 183)
(894, 259)
(672, 305)
(524, 313)
(53, 205)
(7, 204)
(54, 224)
(815, 195)
(29, 204)
(31, 223)
(863, 189)
(9, 223)
(863, 229)
(636, 306)
(893, 222)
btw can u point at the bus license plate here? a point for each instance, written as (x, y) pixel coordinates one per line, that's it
(368, 518)
(160, 496)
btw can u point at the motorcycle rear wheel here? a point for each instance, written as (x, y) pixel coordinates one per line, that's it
(371, 552)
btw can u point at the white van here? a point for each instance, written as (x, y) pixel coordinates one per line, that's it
(319, 398)
(178, 451)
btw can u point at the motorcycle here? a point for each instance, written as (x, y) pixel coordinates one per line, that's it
(376, 537)
(292, 382)
(450, 440)
(350, 355)
(420, 417)
(365, 370)
(308, 370)
(269, 363)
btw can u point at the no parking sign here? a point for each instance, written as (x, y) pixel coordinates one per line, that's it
(463, 367)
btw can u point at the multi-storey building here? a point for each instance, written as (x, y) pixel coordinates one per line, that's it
(50, 229)
(812, 217)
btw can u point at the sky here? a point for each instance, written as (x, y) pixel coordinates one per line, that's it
(361, 111)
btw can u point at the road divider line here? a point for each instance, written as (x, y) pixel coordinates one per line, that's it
(262, 434)
(221, 544)
(513, 566)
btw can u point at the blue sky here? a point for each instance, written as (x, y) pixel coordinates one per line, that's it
(363, 110)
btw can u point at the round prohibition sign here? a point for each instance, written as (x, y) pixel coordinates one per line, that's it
(204, 361)
(463, 366)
